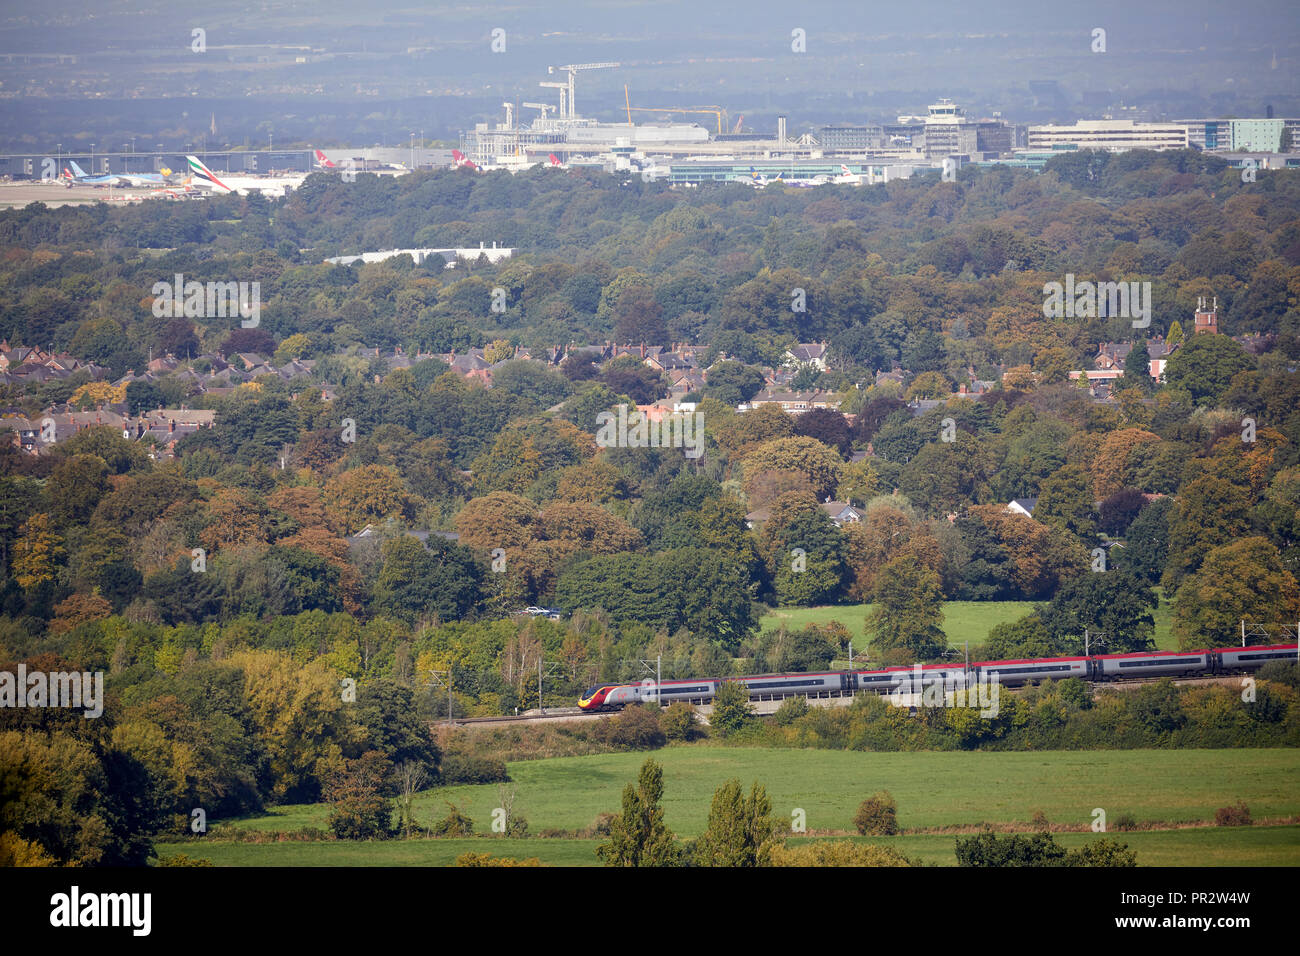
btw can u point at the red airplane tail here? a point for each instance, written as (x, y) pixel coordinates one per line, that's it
(553, 158)
(323, 161)
(461, 159)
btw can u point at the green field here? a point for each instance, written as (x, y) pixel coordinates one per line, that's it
(1235, 846)
(931, 789)
(962, 620)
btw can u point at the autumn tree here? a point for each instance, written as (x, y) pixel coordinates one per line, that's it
(800, 454)
(36, 552)
(368, 494)
(1240, 580)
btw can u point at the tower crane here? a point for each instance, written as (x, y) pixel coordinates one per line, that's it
(564, 89)
(572, 69)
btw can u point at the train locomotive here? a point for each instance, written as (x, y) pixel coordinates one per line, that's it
(904, 680)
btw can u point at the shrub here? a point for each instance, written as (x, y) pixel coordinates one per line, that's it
(1102, 853)
(636, 728)
(454, 824)
(791, 709)
(1281, 672)
(180, 859)
(1126, 821)
(731, 708)
(1039, 820)
(463, 768)
(487, 859)
(877, 816)
(837, 853)
(679, 723)
(1237, 816)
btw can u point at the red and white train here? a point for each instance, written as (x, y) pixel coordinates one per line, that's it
(903, 680)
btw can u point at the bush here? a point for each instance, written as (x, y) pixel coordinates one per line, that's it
(679, 723)
(1102, 853)
(791, 709)
(463, 768)
(1039, 820)
(487, 859)
(731, 708)
(1238, 816)
(454, 824)
(180, 859)
(989, 849)
(636, 728)
(1281, 672)
(1126, 821)
(837, 853)
(877, 816)
(361, 818)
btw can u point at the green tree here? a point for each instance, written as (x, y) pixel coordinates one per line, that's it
(1114, 603)
(731, 708)
(740, 830)
(1065, 502)
(637, 835)
(733, 383)
(908, 611)
(1205, 366)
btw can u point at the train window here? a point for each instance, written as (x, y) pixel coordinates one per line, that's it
(591, 691)
(1160, 661)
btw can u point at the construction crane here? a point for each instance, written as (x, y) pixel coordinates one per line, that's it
(572, 69)
(717, 111)
(738, 123)
(510, 115)
(564, 89)
(544, 107)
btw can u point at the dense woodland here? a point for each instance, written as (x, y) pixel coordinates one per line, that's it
(223, 683)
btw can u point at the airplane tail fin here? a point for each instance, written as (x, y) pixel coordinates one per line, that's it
(202, 173)
(324, 161)
(76, 170)
(461, 159)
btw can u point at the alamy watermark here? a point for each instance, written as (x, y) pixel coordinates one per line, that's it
(949, 690)
(1094, 300)
(678, 430)
(57, 689)
(210, 300)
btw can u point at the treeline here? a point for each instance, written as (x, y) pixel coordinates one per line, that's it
(933, 276)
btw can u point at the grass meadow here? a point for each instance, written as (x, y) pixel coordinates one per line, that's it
(962, 620)
(932, 790)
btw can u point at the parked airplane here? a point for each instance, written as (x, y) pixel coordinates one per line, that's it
(79, 177)
(204, 178)
(847, 178)
(460, 159)
(324, 162)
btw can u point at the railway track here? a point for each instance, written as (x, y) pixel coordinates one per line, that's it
(521, 719)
